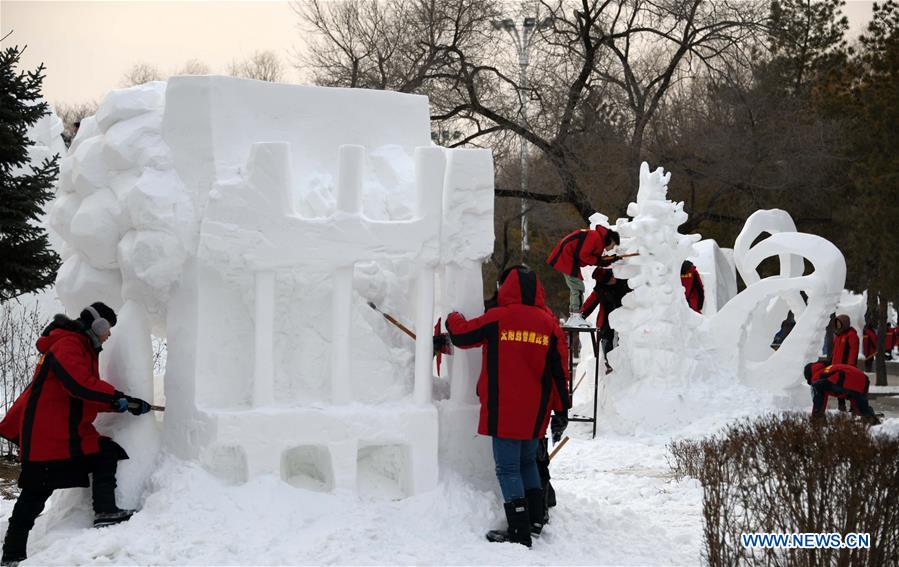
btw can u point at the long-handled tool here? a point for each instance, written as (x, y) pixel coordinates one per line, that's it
(616, 257)
(442, 345)
(558, 447)
(390, 318)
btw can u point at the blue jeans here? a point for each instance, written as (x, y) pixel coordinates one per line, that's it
(516, 466)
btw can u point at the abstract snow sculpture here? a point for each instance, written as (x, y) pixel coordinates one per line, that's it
(744, 327)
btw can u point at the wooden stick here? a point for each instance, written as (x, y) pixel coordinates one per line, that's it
(578, 383)
(558, 447)
(399, 325)
(620, 256)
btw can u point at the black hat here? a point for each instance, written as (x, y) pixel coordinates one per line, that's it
(98, 317)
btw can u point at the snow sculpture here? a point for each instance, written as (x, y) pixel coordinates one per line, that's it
(250, 223)
(745, 326)
(719, 278)
(667, 355)
(855, 305)
(653, 346)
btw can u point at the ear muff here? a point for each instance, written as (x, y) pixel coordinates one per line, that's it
(99, 325)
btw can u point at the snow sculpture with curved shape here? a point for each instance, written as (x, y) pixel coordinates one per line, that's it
(744, 327)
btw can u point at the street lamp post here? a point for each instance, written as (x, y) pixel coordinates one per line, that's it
(522, 41)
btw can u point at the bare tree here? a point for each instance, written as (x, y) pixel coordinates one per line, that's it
(193, 67)
(20, 327)
(262, 66)
(141, 73)
(71, 116)
(601, 69)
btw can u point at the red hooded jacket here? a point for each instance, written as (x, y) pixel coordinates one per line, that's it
(53, 418)
(869, 344)
(693, 288)
(582, 247)
(845, 343)
(524, 373)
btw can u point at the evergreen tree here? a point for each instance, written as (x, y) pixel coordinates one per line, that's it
(26, 261)
(806, 40)
(865, 95)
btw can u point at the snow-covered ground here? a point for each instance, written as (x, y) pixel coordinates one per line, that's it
(617, 505)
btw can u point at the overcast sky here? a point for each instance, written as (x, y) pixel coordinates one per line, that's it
(87, 47)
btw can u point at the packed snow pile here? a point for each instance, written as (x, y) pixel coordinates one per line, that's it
(671, 364)
(251, 224)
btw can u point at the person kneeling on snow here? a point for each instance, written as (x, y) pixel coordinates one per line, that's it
(52, 424)
(524, 375)
(842, 381)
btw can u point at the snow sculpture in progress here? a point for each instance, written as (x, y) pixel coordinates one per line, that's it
(250, 224)
(668, 355)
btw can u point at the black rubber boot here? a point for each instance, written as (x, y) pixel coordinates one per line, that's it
(117, 516)
(103, 485)
(536, 510)
(519, 530)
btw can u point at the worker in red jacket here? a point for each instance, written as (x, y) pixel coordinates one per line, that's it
(693, 288)
(524, 375)
(842, 381)
(869, 346)
(580, 248)
(608, 292)
(845, 346)
(52, 424)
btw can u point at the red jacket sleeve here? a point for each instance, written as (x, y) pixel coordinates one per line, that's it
(468, 334)
(74, 370)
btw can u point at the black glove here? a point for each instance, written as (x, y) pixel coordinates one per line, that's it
(441, 343)
(606, 261)
(137, 406)
(557, 424)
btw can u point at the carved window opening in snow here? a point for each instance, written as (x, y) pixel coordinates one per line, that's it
(308, 467)
(226, 462)
(382, 471)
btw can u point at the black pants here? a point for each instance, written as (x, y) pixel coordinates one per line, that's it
(32, 499)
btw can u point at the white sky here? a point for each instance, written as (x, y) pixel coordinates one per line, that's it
(87, 47)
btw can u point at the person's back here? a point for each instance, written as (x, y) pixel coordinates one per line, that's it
(844, 381)
(524, 375)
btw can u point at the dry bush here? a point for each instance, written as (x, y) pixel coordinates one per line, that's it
(781, 474)
(20, 327)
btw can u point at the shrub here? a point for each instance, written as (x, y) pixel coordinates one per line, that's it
(782, 474)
